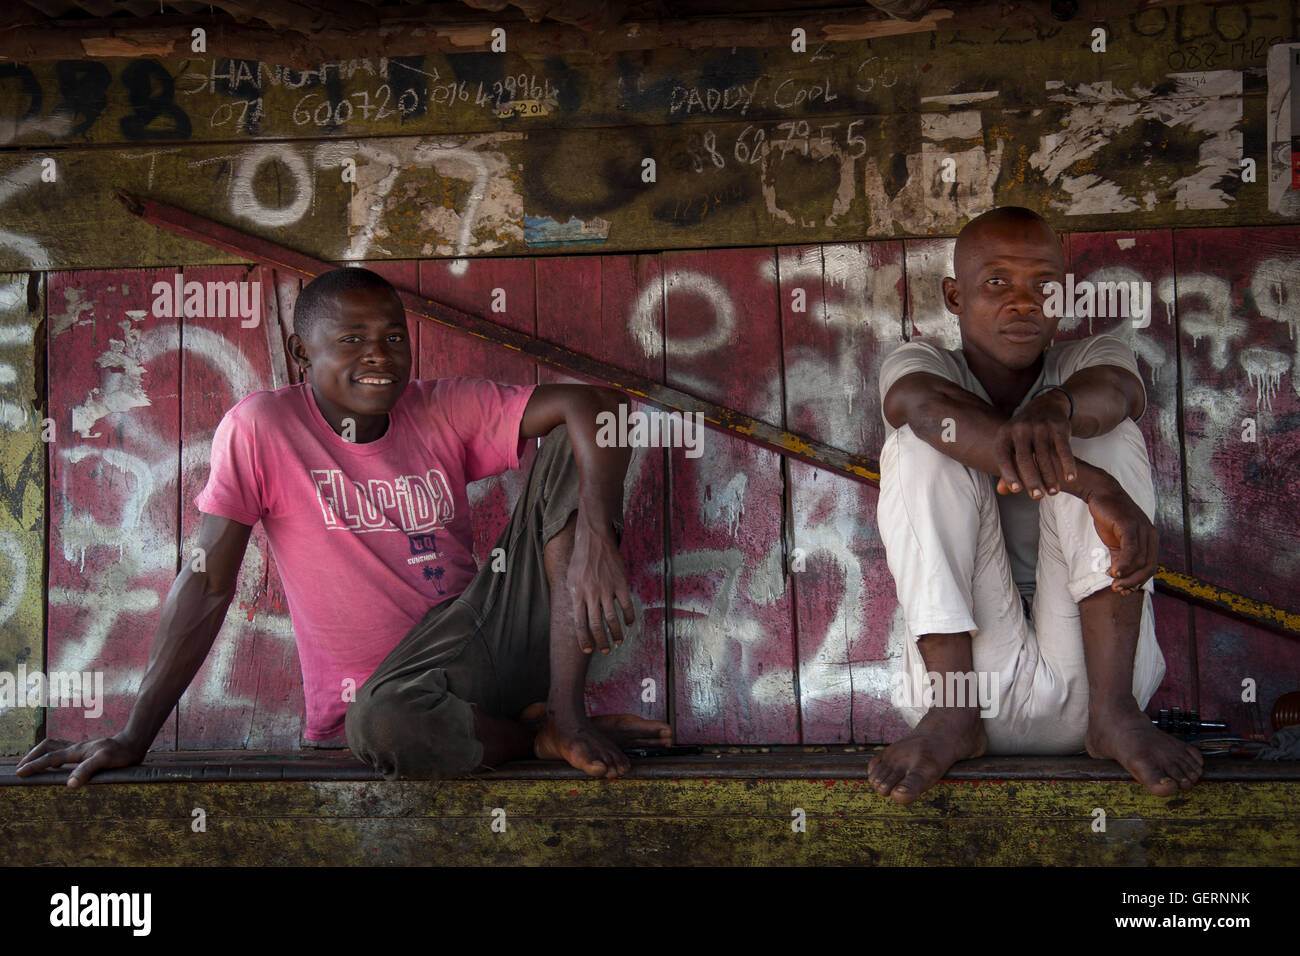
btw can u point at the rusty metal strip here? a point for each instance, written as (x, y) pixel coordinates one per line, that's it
(1235, 605)
(720, 417)
(757, 432)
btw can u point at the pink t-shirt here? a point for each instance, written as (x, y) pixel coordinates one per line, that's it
(367, 537)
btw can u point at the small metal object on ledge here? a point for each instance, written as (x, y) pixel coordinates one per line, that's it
(1178, 721)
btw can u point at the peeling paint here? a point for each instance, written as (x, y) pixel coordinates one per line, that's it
(1208, 103)
(120, 391)
(545, 231)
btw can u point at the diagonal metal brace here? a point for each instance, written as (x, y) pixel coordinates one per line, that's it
(733, 422)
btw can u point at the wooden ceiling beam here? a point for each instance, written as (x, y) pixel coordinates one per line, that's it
(903, 9)
(586, 15)
(411, 35)
(444, 28)
(50, 8)
(302, 16)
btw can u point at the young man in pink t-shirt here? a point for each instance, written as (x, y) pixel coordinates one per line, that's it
(430, 665)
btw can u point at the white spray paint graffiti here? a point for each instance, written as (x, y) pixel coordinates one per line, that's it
(861, 306)
(1210, 315)
(721, 633)
(11, 183)
(727, 505)
(142, 550)
(11, 550)
(15, 333)
(1275, 287)
(644, 320)
(859, 301)
(491, 217)
(831, 673)
(1215, 322)
(54, 125)
(1264, 369)
(243, 200)
(1222, 408)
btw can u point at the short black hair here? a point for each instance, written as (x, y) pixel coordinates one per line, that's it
(317, 298)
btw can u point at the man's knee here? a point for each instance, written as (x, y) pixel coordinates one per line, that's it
(556, 471)
(1122, 454)
(556, 445)
(920, 470)
(916, 452)
(407, 735)
(920, 483)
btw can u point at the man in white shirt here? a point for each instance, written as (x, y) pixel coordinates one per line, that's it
(1015, 508)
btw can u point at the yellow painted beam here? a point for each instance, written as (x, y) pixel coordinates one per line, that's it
(631, 821)
(22, 500)
(1211, 595)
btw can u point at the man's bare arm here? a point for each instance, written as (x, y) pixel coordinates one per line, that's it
(597, 574)
(1096, 409)
(1031, 450)
(187, 627)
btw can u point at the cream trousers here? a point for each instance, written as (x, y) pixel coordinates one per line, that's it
(942, 532)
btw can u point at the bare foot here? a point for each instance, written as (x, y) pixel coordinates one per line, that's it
(594, 744)
(1161, 763)
(909, 767)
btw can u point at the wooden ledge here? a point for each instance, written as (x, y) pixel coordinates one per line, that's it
(734, 809)
(231, 766)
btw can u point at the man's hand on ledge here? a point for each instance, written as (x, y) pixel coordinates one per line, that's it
(90, 756)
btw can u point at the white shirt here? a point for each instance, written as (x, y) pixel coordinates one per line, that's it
(1018, 512)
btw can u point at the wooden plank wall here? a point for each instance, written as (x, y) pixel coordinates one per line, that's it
(782, 626)
(765, 609)
(22, 494)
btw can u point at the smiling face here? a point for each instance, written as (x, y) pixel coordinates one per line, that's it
(1003, 263)
(358, 358)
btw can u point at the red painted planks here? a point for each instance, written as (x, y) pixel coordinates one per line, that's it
(249, 691)
(1238, 324)
(841, 310)
(733, 642)
(477, 285)
(1148, 256)
(114, 398)
(590, 305)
